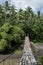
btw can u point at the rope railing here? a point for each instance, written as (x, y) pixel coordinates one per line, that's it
(12, 59)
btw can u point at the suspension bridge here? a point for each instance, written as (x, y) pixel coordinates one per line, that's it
(27, 57)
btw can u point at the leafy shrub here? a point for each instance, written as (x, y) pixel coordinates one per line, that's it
(3, 44)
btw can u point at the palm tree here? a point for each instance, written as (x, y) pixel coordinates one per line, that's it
(1, 14)
(21, 14)
(38, 13)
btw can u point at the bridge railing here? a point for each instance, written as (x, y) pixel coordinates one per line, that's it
(11, 60)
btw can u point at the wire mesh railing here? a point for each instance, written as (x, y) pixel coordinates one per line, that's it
(11, 60)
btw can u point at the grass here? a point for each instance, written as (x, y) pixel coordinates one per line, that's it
(19, 51)
(38, 44)
(38, 41)
(40, 60)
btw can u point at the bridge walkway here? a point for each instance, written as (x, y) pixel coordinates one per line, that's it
(27, 57)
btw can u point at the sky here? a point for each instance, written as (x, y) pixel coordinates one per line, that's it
(34, 4)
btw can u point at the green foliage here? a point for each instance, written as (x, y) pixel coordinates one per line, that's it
(11, 34)
(3, 44)
(18, 34)
(3, 35)
(5, 27)
(14, 25)
(40, 59)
